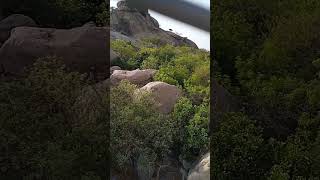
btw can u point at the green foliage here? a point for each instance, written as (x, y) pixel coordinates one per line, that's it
(299, 157)
(137, 130)
(103, 16)
(239, 27)
(281, 78)
(270, 51)
(40, 136)
(174, 75)
(127, 53)
(63, 13)
(197, 131)
(277, 173)
(125, 49)
(192, 124)
(155, 57)
(152, 42)
(238, 149)
(187, 68)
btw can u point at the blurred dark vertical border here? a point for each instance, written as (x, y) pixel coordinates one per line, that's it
(39, 139)
(212, 119)
(108, 142)
(212, 104)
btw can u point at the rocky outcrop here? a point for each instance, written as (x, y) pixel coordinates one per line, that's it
(165, 95)
(131, 22)
(113, 68)
(201, 171)
(118, 36)
(137, 77)
(11, 22)
(140, 25)
(83, 49)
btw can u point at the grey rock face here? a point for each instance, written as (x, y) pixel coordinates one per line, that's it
(114, 35)
(137, 77)
(140, 25)
(165, 95)
(113, 68)
(201, 171)
(13, 21)
(82, 49)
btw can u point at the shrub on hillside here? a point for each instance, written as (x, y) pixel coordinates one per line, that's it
(40, 136)
(139, 134)
(63, 13)
(238, 149)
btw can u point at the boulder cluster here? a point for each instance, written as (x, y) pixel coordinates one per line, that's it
(22, 42)
(135, 25)
(84, 49)
(132, 26)
(164, 94)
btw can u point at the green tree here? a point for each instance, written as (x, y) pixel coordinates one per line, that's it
(139, 134)
(238, 149)
(40, 136)
(63, 13)
(299, 156)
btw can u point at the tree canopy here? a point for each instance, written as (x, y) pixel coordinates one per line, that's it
(269, 50)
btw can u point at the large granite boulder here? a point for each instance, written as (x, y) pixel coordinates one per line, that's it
(13, 21)
(201, 171)
(83, 49)
(140, 25)
(165, 95)
(137, 77)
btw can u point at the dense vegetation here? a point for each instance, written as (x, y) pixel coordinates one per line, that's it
(265, 52)
(185, 130)
(140, 135)
(59, 13)
(42, 134)
(55, 123)
(270, 52)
